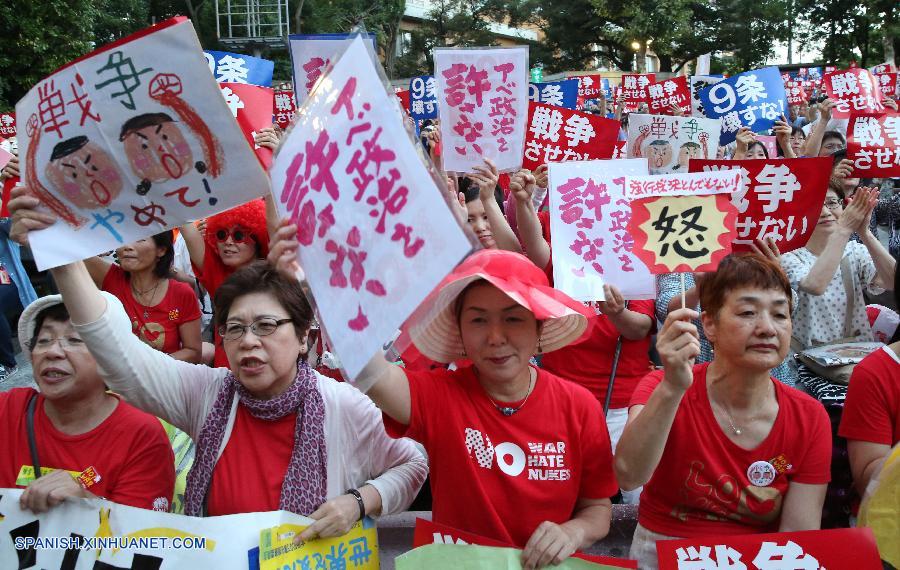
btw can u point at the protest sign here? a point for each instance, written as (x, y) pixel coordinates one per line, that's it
(882, 68)
(619, 150)
(770, 144)
(239, 68)
(88, 534)
(692, 184)
(372, 218)
(483, 105)
(5, 155)
(403, 96)
(664, 94)
(591, 87)
(699, 82)
(589, 216)
(814, 73)
(675, 234)
(873, 144)
(129, 140)
(670, 142)
(423, 98)
(887, 82)
(853, 91)
(558, 135)
(779, 198)
(311, 54)
(813, 549)
(7, 125)
(251, 107)
(559, 93)
(754, 99)
(634, 89)
(358, 547)
(829, 69)
(795, 92)
(285, 107)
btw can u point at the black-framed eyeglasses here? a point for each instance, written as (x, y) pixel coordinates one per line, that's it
(260, 327)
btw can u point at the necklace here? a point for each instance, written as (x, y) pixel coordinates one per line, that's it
(508, 410)
(144, 292)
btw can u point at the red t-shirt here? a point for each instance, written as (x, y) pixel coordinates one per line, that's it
(213, 274)
(249, 475)
(500, 477)
(160, 328)
(589, 362)
(872, 408)
(702, 486)
(129, 452)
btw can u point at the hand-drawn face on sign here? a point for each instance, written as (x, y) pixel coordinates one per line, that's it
(156, 148)
(84, 173)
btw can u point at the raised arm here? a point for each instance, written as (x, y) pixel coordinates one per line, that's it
(522, 186)
(814, 140)
(196, 246)
(631, 324)
(486, 177)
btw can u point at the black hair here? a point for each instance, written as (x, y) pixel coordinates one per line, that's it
(164, 240)
(143, 121)
(837, 156)
(68, 146)
(834, 135)
(56, 313)
(471, 192)
(659, 142)
(760, 145)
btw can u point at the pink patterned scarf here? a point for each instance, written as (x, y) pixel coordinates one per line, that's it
(303, 490)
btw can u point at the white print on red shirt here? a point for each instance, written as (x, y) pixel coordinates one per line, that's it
(544, 461)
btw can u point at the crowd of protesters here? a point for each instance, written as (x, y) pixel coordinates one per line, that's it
(700, 414)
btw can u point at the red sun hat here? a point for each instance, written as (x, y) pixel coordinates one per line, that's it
(436, 333)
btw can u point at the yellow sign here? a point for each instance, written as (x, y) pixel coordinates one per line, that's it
(26, 474)
(357, 549)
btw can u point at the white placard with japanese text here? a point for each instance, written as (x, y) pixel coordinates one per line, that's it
(312, 53)
(669, 143)
(694, 184)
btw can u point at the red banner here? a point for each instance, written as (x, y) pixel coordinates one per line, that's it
(7, 125)
(664, 94)
(853, 90)
(285, 107)
(428, 532)
(589, 87)
(887, 82)
(873, 144)
(251, 106)
(634, 87)
(555, 134)
(403, 95)
(837, 548)
(781, 198)
(796, 92)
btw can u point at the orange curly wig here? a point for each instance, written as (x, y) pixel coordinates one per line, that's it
(250, 216)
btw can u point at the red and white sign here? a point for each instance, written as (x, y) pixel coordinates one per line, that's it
(796, 94)
(251, 106)
(854, 91)
(811, 549)
(589, 87)
(887, 82)
(403, 95)
(559, 135)
(779, 198)
(285, 107)
(7, 125)
(483, 105)
(770, 143)
(664, 94)
(634, 88)
(371, 217)
(873, 144)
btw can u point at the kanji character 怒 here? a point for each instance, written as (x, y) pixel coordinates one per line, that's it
(844, 85)
(51, 108)
(232, 100)
(552, 95)
(578, 130)
(371, 153)
(545, 123)
(232, 70)
(129, 80)
(771, 556)
(82, 101)
(726, 558)
(867, 131)
(775, 184)
(750, 89)
(688, 218)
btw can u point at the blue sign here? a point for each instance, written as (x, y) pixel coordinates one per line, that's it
(754, 99)
(423, 102)
(560, 93)
(814, 73)
(239, 68)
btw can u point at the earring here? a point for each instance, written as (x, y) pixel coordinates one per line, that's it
(540, 350)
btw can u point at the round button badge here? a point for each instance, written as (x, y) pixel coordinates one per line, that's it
(761, 473)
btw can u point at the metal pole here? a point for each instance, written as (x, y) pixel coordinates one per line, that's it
(612, 372)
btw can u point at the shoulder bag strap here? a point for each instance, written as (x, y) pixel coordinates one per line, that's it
(847, 277)
(32, 442)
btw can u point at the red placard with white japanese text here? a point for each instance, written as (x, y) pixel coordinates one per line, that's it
(403, 95)
(589, 214)
(483, 106)
(853, 91)
(779, 198)
(796, 94)
(129, 140)
(873, 144)
(251, 106)
(887, 82)
(634, 89)
(285, 107)
(7, 125)
(619, 150)
(674, 234)
(559, 135)
(373, 218)
(664, 94)
(589, 87)
(429, 532)
(814, 549)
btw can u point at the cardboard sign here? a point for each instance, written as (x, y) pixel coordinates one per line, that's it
(371, 215)
(754, 99)
(129, 140)
(674, 234)
(7, 125)
(285, 107)
(853, 91)
(887, 82)
(873, 144)
(664, 94)
(252, 109)
(557, 93)
(589, 215)
(779, 198)
(634, 88)
(814, 549)
(423, 98)
(693, 184)
(559, 135)
(358, 548)
(483, 102)
(312, 53)
(669, 143)
(239, 68)
(699, 82)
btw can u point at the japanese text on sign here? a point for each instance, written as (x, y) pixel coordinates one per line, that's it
(666, 94)
(422, 98)
(682, 184)
(853, 91)
(558, 93)
(239, 68)
(754, 99)
(312, 53)
(873, 144)
(560, 135)
(670, 143)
